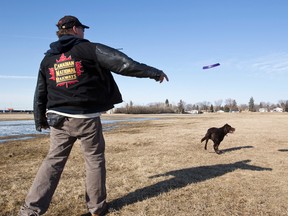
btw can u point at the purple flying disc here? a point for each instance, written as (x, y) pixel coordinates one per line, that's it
(211, 66)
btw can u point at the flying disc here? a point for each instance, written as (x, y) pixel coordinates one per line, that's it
(211, 66)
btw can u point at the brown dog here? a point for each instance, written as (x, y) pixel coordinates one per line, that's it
(217, 135)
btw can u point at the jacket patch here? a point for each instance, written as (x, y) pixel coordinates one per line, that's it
(66, 71)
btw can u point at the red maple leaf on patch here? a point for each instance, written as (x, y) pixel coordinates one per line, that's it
(67, 83)
(63, 58)
(52, 73)
(78, 68)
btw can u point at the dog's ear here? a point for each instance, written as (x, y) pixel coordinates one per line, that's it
(227, 128)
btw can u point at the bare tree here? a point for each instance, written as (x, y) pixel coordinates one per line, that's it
(243, 107)
(205, 105)
(189, 107)
(231, 104)
(218, 104)
(181, 106)
(282, 104)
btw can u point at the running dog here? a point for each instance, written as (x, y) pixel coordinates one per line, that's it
(217, 135)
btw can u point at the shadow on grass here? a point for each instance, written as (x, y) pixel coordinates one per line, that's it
(181, 179)
(235, 148)
(283, 150)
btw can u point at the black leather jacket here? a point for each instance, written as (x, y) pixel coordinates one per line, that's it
(75, 77)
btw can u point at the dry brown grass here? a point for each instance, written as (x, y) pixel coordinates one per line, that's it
(159, 167)
(15, 116)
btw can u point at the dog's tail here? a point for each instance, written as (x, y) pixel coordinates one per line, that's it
(204, 138)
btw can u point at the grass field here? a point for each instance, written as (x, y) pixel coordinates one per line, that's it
(160, 167)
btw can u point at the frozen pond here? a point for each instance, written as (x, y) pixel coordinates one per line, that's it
(15, 128)
(21, 129)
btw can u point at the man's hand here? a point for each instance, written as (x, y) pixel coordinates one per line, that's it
(43, 125)
(162, 77)
(39, 128)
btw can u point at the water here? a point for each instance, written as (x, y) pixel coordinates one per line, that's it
(21, 129)
(16, 128)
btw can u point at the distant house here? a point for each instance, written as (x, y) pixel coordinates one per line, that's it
(193, 111)
(277, 109)
(220, 111)
(263, 110)
(111, 111)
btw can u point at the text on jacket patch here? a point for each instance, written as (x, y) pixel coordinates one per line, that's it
(65, 71)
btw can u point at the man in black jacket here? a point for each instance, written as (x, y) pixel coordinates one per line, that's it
(74, 86)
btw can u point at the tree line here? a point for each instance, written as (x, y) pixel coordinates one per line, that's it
(229, 105)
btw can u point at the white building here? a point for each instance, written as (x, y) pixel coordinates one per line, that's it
(263, 110)
(277, 109)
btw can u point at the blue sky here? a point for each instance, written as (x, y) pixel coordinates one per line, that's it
(248, 38)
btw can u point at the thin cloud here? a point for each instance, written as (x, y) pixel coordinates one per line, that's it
(272, 64)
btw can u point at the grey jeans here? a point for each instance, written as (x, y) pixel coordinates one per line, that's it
(89, 132)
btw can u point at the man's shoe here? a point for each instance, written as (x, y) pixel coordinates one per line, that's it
(103, 211)
(25, 211)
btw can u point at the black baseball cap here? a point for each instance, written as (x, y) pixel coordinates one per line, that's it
(68, 22)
